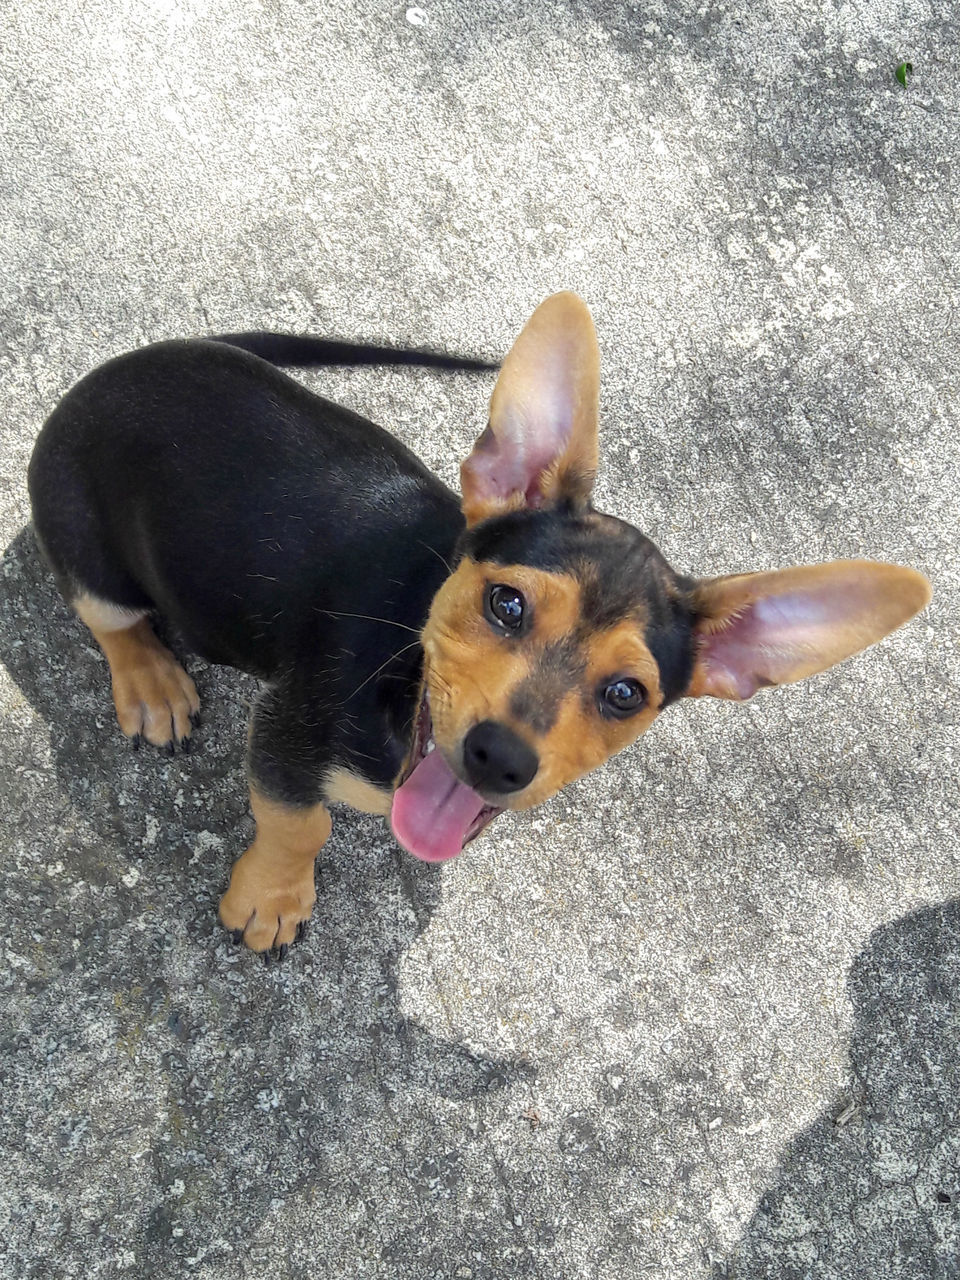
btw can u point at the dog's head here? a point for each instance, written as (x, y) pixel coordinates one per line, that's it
(563, 633)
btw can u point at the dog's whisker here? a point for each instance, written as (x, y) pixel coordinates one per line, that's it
(367, 617)
(374, 674)
(443, 561)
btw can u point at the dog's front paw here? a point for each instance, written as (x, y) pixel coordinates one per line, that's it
(267, 905)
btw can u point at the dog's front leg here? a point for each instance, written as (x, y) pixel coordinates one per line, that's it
(272, 892)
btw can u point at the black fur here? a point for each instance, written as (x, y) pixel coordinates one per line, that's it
(196, 478)
(307, 352)
(537, 699)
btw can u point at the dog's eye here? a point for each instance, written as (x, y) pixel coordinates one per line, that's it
(623, 697)
(504, 607)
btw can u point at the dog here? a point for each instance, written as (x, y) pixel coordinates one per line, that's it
(432, 658)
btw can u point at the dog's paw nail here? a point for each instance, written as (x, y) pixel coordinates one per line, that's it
(267, 957)
(169, 748)
(236, 935)
(282, 953)
(136, 741)
(185, 745)
(301, 930)
(195, 719)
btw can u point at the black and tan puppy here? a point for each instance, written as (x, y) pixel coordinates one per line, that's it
(434, 659)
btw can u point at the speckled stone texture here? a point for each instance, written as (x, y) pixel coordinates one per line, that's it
(699, 1016)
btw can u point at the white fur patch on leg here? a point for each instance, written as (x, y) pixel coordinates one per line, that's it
(101, 615)
(342, 787)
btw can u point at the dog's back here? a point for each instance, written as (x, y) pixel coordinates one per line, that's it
(196, 478)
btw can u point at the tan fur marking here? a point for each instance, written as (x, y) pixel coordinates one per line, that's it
(622, 649)
(582, 738)
(153, 695)
(343, 787)
(472, 672)
(472, 669)
(271, 887)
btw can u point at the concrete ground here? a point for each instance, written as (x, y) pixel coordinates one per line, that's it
(700, 1015)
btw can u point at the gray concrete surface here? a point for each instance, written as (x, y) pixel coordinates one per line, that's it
(699, 1016)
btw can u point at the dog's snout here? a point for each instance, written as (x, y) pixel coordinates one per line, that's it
(496, 760)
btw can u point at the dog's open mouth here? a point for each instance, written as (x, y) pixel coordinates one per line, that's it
(434, 814)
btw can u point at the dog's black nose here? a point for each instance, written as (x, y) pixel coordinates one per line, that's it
(495, 759)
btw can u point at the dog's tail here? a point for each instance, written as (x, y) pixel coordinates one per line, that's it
(305, 352)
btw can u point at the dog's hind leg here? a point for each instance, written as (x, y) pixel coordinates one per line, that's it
(154, 697)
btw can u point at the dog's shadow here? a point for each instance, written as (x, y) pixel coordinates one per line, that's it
(872, 1186)
(286, 1059)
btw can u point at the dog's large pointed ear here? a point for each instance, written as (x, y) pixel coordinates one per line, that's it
(759, 629)
(540, 446)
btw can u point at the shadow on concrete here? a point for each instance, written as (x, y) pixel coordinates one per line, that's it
(873, 1187)
(144, 1041)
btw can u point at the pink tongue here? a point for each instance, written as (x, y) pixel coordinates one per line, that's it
(432, 812)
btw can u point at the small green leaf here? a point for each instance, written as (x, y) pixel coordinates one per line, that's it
(905, 69)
